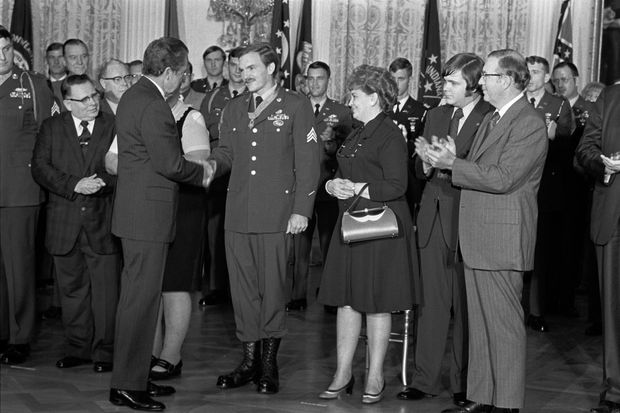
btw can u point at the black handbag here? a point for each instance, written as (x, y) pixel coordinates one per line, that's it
(369, 223)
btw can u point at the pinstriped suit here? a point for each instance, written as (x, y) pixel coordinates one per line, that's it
(497, 234)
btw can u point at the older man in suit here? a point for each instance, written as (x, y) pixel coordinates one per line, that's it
(68, 163)
(601, 143)
(499, 181)
(333, 122)
(443, 282)
(115, 79)
(150, 166)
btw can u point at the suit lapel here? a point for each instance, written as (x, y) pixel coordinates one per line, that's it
(469, 128)
(72, 139)
(95, 140)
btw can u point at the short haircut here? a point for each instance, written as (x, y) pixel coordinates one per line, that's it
(570, 65)
(54, 46)
(162, 53)
(513, 64)
(73, 42)
(267, 55)
(107, 64)
(592, 87)
(72, 80)
(235, 53)
(5, 34)
(320, 65)
(134, 63)
(470, 66)
(212, 49)
(401, 63)
(532, 60)
(373, 79)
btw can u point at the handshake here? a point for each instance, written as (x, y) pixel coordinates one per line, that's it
(209, 167)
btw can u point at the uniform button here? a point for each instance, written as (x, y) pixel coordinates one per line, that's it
(254, 130)
(286, 191)
(254, 143)
(19, 107)
(253, 172)
(278, 130)
(253, 158)
(83, 208)
(234, 129)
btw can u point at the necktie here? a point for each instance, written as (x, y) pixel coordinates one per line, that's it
(533, 102)
(491, 124)
(397, 110)
(235, 93)
(84, 137)
(454, 123)
(316, 110)
(214, 85)
(258, 100)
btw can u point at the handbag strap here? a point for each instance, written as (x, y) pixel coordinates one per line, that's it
(357, 198)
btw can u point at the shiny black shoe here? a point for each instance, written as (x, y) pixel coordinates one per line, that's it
(411, 393)
(298, 304)
(460, 399)
(269, 382)
(137, 400)
(247, 371)
(470, 407)
(537, 323)
(155, 390)
(71, 361)
(170, 371)
(102, 366)
(606, 407)
(15, 354)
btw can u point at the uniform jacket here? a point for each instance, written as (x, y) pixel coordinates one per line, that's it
(499, 180)
(557, 174)
(440, 199)
(18, 129)
(331, 112)
(274, 164)
(411, 115)
(150, 164)
(203, 86)
(58, 165)
(602, 136)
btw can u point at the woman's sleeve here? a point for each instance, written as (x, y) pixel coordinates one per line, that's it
(195, 134)
(393, 160)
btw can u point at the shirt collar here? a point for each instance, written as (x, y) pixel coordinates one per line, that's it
(573, 101)
(161, 91)
(502, 111)
(266, 95)
(467, 109)
(321, 102)
(78, 127)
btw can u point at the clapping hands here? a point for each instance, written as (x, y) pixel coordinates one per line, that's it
(89, 185)
(441, 153)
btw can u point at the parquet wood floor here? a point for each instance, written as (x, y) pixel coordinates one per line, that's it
(564, 372)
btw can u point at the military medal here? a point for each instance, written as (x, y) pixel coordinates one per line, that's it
(259, 109)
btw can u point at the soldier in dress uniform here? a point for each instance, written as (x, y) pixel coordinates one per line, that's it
(25, 101)
(215, 288)
(269, 145)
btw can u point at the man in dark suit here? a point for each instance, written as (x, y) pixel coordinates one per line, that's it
(443, 282)
(68, 163)
(114, 78)
(25, 101)
(499, 180)
(150, 166)
(409, 114)
(550, 283)
(600, 141)
(269, 145)
(215, 285)
(333, 122)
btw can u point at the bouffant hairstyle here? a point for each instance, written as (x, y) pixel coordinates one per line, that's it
(373, 79)
(513, 64)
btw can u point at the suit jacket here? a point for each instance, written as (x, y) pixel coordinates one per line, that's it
(440, 199)
(331, 112)
(273, 164)
(499, 181)
(18, 129)
(58, 165)
(150, 163)
(105, 107)
(557, 174)
(602, 136)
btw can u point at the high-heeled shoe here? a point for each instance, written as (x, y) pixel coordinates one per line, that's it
(333, 394)
(369, 398)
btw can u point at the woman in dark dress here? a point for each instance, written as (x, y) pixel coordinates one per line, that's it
(373, 277)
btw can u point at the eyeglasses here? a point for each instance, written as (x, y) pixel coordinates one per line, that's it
(95, 97)
(485, 75)
(119, 79)
(561, 80)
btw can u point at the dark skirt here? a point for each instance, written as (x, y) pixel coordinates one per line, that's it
(184, 260)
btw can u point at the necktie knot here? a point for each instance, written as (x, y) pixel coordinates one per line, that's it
(494, 118)
(214, 85)
(453, 128)
(259, 100)
(458, 114)
(235, 93)
(397, 109)
(316, 110)
(533, 101)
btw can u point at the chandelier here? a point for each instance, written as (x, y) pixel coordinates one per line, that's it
(241, 16)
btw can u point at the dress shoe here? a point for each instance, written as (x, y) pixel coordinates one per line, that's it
(371, 398)
(52, 313)
(102, 366)
(71, 361)
(247, 371)
(137, 400)
(155, 390)
(606, 407)
(460, 399)
(330, 394)
(170, 370)
(411, 393)
(537, 323)
(470, 407)
(298, 304)
(15, 354)
(594, 329)
(269, 382)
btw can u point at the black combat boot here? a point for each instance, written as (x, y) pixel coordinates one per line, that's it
(269, 382)
(248, 370)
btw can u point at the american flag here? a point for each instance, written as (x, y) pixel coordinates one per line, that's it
(280, 39)
(563, 49)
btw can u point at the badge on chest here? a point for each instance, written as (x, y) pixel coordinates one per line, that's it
(278, 118)
(21, 93)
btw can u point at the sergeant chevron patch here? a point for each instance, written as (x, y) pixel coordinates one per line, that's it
(311, 136)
